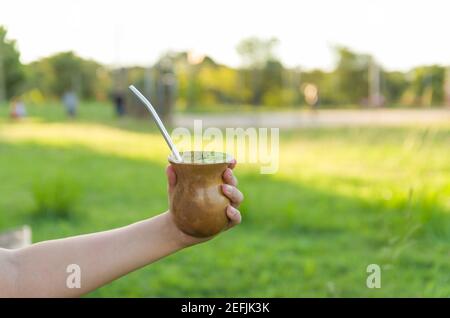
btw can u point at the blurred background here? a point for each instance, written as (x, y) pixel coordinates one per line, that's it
(359, 90)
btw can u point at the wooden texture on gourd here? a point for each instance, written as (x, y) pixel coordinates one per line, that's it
(197, 202)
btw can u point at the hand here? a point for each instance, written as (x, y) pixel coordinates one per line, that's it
(229, 189)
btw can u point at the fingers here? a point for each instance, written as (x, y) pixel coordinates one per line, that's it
(171, 176)
(234, 216)
(230, 190)
(233, 194)
(232, 164)
(229, 178)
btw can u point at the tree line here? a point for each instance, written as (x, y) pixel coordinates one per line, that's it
(197, 80)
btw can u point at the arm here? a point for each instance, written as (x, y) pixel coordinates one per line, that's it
(40, 269)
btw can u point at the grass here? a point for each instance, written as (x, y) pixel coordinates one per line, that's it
(343, 198)
(55, 197)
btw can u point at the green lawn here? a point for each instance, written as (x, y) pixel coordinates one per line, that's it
(343, 198)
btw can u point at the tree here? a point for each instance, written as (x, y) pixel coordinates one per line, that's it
(255, 52)
(260, 63)
(352, 78)
(11, 71)
(428, 85)
(272, 83)
(394, 85)
(64, 71)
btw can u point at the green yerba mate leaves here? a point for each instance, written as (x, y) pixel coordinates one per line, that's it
(203, 157)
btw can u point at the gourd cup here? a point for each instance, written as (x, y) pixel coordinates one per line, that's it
(197, 202)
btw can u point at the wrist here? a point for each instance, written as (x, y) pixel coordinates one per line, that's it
(181, 239)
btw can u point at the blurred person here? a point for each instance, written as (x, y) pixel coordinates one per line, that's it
(70, 102)
(311, 93)
(18, 109)
(40, 270)
(119, 102)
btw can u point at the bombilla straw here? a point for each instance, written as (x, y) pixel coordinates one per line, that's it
(158, 121)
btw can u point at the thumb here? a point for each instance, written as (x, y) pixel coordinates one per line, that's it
(171, 177)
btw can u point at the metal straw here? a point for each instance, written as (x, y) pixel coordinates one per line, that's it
(158, 121)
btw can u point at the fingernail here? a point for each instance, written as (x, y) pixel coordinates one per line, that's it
(228, 189)
(231, 210)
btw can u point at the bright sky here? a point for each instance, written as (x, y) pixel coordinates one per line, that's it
(399, 33)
